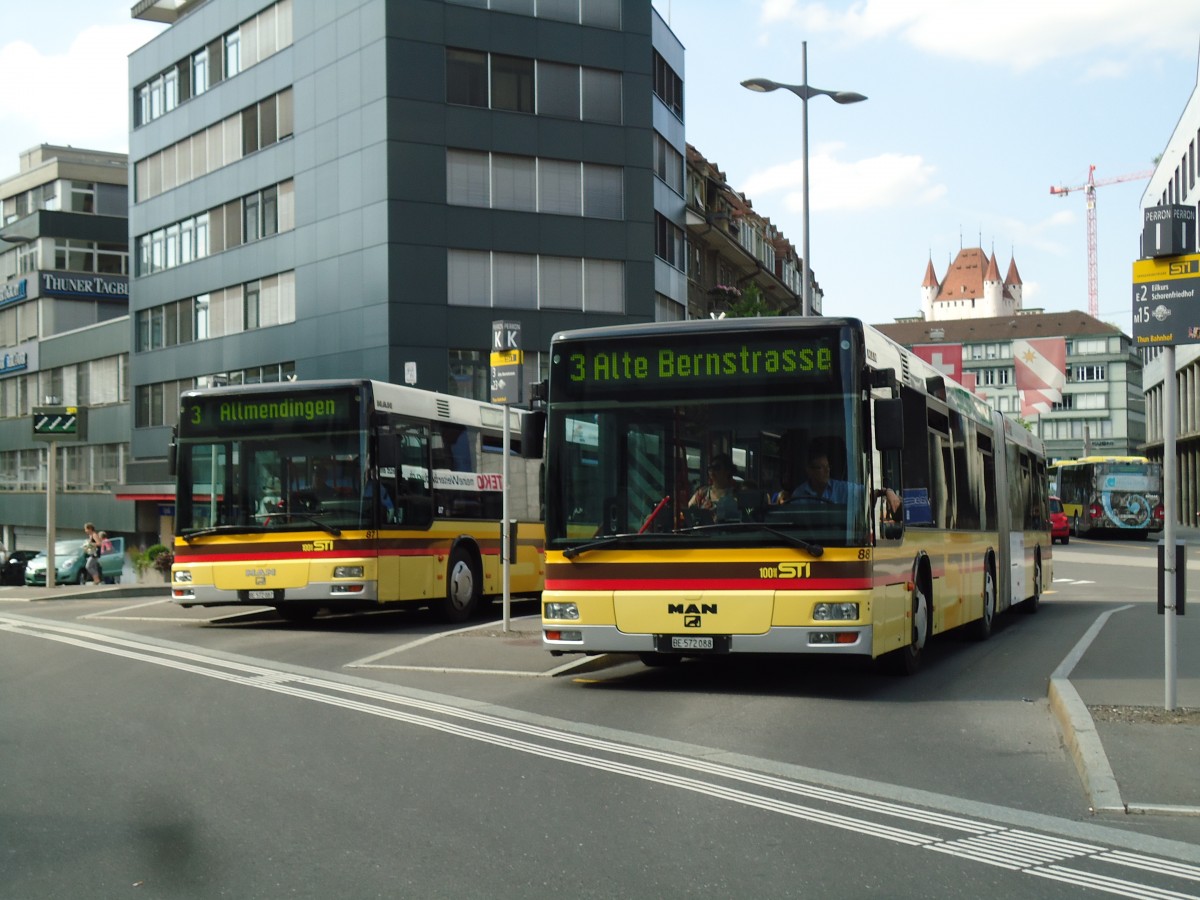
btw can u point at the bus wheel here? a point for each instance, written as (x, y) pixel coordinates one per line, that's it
(981, 628)
(907, 660)
(660, 659)
(463, 583)
(1030, 604)
(297, 612)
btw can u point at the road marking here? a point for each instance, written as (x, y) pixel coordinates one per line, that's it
(967, 838)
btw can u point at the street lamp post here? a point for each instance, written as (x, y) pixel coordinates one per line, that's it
(804, 91)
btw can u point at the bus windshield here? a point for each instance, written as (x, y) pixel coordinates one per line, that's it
(264, 465)
(750, 456)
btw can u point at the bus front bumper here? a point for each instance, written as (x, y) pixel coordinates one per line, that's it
(852, 640)
(328, 594)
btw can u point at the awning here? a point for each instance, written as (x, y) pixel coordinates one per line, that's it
(154, 493)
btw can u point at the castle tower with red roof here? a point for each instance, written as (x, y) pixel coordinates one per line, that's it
(971, 289)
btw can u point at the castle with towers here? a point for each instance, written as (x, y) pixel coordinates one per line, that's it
(971, 289)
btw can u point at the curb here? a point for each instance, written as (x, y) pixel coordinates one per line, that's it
(1083, 741)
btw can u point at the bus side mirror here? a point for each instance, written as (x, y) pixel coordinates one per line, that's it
(533, 434)
(172, 454)
(889, 424)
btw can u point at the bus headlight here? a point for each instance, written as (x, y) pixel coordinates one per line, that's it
(555, 610)
(347, 571)
(182, 576)
(829, 612)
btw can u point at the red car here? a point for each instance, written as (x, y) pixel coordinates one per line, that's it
(1060, 528)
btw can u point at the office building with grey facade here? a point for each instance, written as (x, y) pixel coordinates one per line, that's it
(64, 342)
(360, 188)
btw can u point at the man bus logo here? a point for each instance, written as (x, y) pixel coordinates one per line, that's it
(691, 621)
(686, 609)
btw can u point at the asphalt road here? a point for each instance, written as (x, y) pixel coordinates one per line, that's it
(193, 754)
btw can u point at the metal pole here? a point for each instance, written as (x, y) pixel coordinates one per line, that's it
(1170, 414)
(806, 292)
(51, 523)
(504, 525)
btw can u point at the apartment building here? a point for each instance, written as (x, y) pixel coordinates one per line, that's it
(1102, 409)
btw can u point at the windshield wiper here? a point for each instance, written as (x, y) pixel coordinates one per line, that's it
(308, 517)
(607, 541)
(223, 529)
(814, 549)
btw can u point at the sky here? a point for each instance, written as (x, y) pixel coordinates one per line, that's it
(975, 109)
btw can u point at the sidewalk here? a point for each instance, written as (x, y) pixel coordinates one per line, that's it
(1110, 694)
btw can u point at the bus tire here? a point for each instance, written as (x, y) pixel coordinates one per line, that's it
(464, 583)
(981, 628)
(1031, 604)
(907, 660)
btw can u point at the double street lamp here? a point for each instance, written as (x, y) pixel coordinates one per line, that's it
(804, 91)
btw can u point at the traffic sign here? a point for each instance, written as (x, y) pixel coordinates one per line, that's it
(59, 423)
(1166, 301)
(506, 362)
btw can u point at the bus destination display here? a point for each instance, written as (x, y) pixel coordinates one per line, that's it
(588, 368)
(262, 413)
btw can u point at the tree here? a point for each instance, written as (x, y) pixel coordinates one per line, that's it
(750, 304)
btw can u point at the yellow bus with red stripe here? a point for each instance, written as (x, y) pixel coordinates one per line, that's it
(942, 520)
(352, 495)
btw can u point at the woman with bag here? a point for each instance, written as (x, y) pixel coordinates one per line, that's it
(93, 550)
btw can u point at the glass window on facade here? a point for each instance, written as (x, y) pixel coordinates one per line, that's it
(514, 182)
(602, 96)
(560, 187)
(512, 83)
(514, 281)
(467, 181)
(83, 196)
(604, 286)
(603, 191)
(470, 374)
(558, 90)
(560, 282)
(466, 77)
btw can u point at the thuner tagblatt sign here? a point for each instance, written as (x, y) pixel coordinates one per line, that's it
(1166, 301)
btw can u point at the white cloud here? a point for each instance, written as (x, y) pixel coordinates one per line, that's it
(77, 96)
(1020, 34)
(887, 180)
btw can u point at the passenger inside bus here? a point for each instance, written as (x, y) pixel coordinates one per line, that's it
(717, 500)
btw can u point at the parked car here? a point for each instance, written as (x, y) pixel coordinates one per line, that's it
(12, 571)
(1060, 527)
(69, 560)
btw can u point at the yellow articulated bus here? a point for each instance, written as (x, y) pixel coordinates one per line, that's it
(1115, 494)
(351, 495)
(779, 485)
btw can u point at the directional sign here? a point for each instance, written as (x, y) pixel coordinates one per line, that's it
(507, 362)
(1166, 301)
(59, 423)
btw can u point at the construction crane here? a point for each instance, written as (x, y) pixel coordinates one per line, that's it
(1089, 189)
